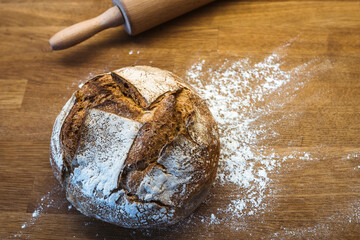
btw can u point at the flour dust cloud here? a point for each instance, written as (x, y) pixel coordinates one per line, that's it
(239, 92)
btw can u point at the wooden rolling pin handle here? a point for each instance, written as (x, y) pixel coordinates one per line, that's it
(79, 32)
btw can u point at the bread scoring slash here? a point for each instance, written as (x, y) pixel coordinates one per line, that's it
(136, 147)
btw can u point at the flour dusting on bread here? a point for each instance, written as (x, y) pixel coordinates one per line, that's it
(105, 140)
(56, 156)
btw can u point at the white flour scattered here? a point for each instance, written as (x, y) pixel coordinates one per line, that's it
(131, 52)
(35, 215)
(46, 202)
(352, 155)
(241, 93)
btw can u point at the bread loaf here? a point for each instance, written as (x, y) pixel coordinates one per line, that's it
(136, 147)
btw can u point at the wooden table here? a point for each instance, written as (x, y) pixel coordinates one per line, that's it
(313, 191)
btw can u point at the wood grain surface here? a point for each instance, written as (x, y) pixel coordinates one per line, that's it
(311, 195)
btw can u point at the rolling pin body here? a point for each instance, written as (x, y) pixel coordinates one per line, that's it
(138, 16)
(141, 15)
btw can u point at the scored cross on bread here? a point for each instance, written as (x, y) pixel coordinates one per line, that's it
(136, 147)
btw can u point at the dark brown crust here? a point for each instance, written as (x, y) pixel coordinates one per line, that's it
(129, 90)
(173, 114)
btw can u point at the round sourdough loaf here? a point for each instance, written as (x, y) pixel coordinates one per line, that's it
(135, 147)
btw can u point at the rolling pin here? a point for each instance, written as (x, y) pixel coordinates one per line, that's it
(136, 15)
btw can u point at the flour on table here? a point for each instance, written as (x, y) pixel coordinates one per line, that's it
(35, 215)
(46, 202)
(240, 92)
